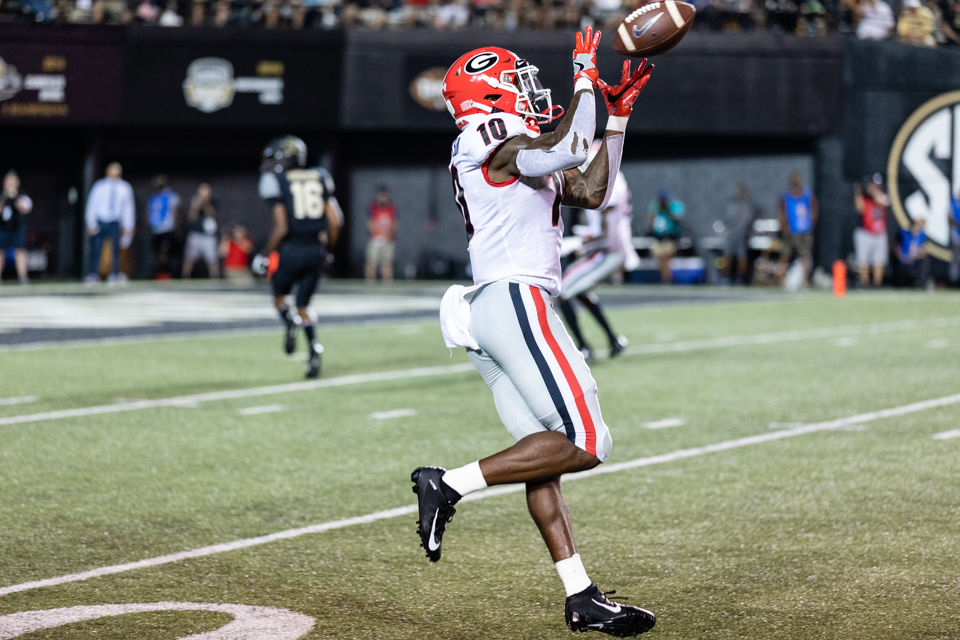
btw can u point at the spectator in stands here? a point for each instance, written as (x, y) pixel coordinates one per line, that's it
(798, 211)
(146, 12)
(948, 20)
(39, 10)
(170, 17)
(606, 13)
(740, 214)
(916, 25)
(14, 205)
(874, 19)
(367, 13)
(222, 15)
(203, 232)
(450, 14)
(109, 216)
(162, 213)
(198, 13)
(110, 11)
(783, 15)
(235, 250)
(382, 226)
(954, 271)
(813, 19)
(326, 13)
(664, 215)
(912, 255)
(870, 236)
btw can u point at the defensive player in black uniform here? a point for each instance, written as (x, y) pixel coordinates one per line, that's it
(306, 220)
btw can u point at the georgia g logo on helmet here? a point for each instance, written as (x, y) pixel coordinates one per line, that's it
(481, 62)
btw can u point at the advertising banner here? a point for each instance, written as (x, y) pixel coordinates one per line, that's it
(923, 169)
(266, 84)
(56, 82)
(905, 124)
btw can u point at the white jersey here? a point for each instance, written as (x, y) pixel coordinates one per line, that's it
(513, 228)
(618, 214)
(610, 230)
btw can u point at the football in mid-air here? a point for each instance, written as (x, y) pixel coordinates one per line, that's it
(654, 28)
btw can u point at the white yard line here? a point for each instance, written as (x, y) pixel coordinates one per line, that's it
(211, 334)
(669, 347)
(235, 394)
(947, 435)
(394, 413)
(173, 336)
(5, 402)
(267, 408)
(778, 337)
(665, 423)
(680, 454)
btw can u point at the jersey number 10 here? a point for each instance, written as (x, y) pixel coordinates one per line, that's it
(497, 129)
(307, 199)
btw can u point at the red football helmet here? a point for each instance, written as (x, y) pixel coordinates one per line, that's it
(493, 79)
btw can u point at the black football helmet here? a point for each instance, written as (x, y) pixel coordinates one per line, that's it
(284, 153)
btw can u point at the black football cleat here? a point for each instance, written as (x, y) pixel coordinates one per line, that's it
(290, 338)
(313, 362)
(591, 610)
(436, 502)
(618, 346)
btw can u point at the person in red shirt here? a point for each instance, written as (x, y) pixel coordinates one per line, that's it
(383, 228)
(870, 237)
(235, 251)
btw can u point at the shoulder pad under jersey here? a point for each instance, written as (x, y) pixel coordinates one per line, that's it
(483, 135)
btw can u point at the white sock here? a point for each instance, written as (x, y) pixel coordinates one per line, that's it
(573, 574)
(465, 479)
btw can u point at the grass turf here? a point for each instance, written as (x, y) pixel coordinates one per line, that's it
(840, 534)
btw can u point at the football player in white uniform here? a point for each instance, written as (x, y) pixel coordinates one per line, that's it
(607, 246)
(509, 181)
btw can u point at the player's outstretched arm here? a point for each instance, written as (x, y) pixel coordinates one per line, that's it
(591, 189)
(568, 144)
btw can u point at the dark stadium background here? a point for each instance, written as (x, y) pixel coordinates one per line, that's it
(720, 110)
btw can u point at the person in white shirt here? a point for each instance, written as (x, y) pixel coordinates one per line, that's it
(509, 182)
(874, 19)
(110, 215)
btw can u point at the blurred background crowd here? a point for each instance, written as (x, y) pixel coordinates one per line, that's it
(919, 22)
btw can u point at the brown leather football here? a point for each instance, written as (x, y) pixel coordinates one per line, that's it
(654, 28)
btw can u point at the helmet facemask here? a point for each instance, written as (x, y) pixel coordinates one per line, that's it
(533, 101)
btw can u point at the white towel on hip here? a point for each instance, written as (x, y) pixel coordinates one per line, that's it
(455, 317)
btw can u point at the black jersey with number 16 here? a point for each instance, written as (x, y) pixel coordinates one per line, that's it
(304, 194)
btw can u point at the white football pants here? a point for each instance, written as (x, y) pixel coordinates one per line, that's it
(538, 377)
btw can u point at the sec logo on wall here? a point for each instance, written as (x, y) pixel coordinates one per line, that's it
(923, 170)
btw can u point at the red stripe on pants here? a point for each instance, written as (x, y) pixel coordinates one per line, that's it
(590, 441)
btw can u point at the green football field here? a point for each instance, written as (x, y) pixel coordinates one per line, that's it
(783, 468)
